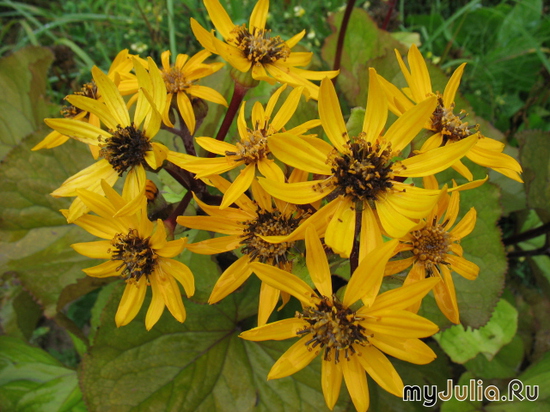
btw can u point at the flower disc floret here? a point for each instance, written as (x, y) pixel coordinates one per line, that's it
(126, 148)
(259, 46)
(364, 171)
(450, 125)
(430, 245)
(87, 90)
(253, 149)
(334, 328)
(175, 80)
(268, 223)
(136, 254)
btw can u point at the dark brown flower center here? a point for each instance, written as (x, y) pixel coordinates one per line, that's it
(175, 80)
(430, 245)
(268, 224)
(126, 148)
(259, 46)
(87, 90)
(136, 254)
(253, 149)
(363, 172)
(334, 328)
(452, 128)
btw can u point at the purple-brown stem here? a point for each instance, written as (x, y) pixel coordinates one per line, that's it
(180, 208)
(354, 256)
(388, 16)
(341, 37)
(239, 92)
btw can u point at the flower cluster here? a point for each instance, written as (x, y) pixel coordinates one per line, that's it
(367, 197)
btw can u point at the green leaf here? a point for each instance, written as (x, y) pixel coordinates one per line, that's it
(32, 380)
(365, 45)
(464, 344)
(22, 105)
(534, 155)
(200, 365)
(504, 365)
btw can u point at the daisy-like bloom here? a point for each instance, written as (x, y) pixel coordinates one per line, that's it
(253, 49)
(136, 251)
(245, 226)
(448, 127)
(119, 70)
(252, 149)
(363, 172)
(126, 146)
(180, 80)
(351, 342)
(436, 252)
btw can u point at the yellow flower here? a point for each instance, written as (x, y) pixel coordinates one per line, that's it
(436, 252)
(126, 146)
(363, 172)
(119, 70)
(254, 49)
(448, 127)
(136, 252)
(246, 225)
(180, 81)
(352, 342)
(252, 150)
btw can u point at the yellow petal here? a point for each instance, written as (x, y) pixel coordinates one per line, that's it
(205, 38)
(52, 140)
(172, 248)
(298, 193)
(269, 296)
(88, 178)
(465, 226)
(216, 245)
(104, 270)
(284, 281)
(180, 272)
(280, 330)
(259, 15)
(371, 235)
(404, 129)
(404, 296)
(233, 277)
(95, 107)
(111, 97)
(367, 278)
(340, 232)
(331, 381)
(99, 226)
(215, 146)
(463, 267)
(421, 77)
(356, 382)
(287, 109)
(207, 93)
(330, 114)
(97, 250)
(399, 323)
(186, 110)
(452, 86)
(394, 224)
(379, 368)
(410, 350)
(79, 130)
(299, 153)
(209, 223)
(131, 302)
(445, 296)
(271, 170)
(156, 307)
(376, 112)
(437, 160)
(171, 294)
(317, 264)
(219, 17)
(240, 185)
(297, 357)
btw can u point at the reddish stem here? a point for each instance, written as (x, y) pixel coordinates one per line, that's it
(341, 36)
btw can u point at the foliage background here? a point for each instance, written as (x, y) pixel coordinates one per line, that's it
(59, 349)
